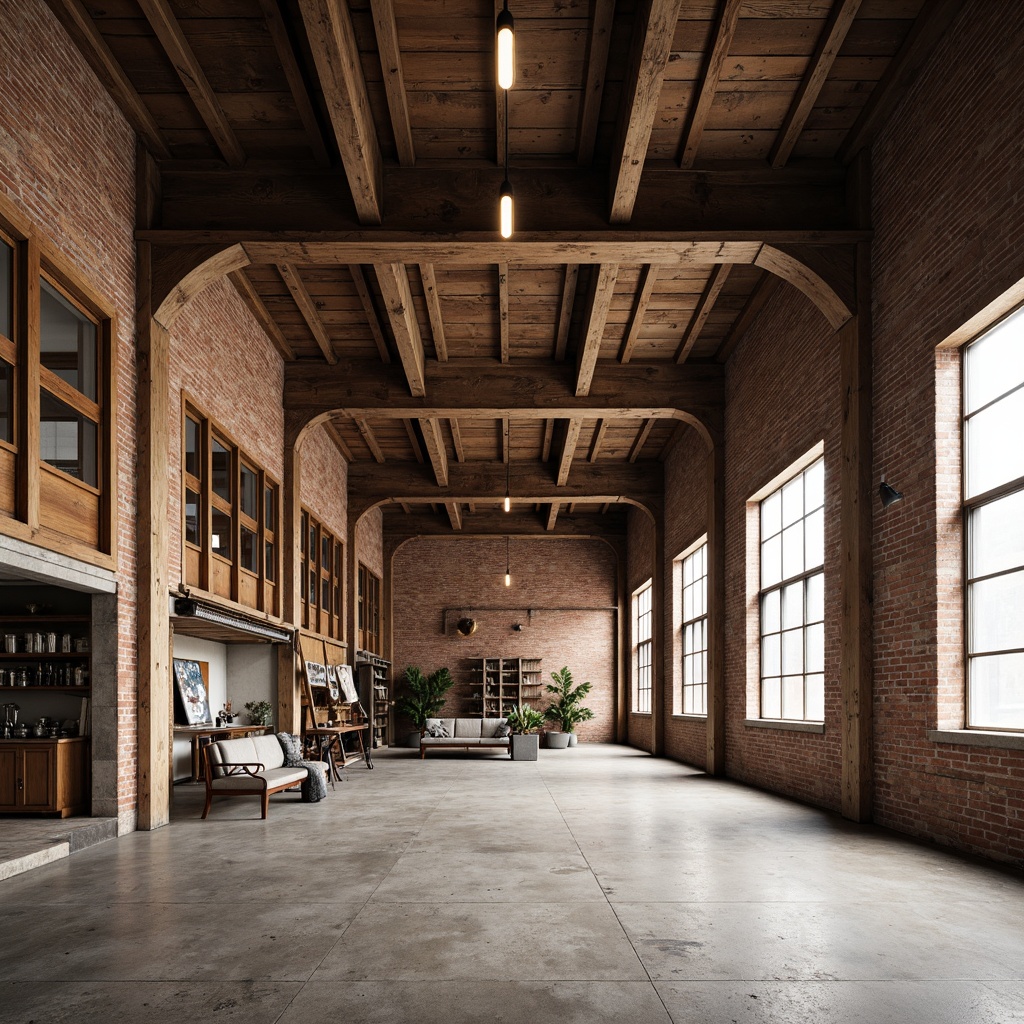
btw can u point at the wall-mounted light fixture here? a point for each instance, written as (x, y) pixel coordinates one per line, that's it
(466, 627)
(517, 627)
(888, 494)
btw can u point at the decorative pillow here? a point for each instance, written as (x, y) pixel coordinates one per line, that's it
(439, 731)
(501, 731)
(292, 747)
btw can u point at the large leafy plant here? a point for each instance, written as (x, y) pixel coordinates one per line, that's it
(426, 696)
(523, 719)
(567, 708)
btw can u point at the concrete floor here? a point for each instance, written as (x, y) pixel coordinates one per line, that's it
(597, 884)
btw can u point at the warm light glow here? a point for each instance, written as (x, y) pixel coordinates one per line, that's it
(508, 579)
(508, 503)
(506, 50)
(506, 210)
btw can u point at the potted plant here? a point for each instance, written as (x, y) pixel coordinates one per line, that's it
(566, 709)
(426, 697)
(524, 722)
(260, 712)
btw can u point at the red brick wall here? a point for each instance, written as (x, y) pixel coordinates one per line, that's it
(568, 584)
(641, 544)
(221, 359)
(369, 541)
(948, 223)
(67, 161)
(686, 522)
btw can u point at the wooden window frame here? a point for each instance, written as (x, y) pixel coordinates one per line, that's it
(643, 651)
(697, 691)
(320, 575)
(368, 621)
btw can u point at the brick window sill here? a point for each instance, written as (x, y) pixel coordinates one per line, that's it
(691, 718)
(978, 738)
(774, 723)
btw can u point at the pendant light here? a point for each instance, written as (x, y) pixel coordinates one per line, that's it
(506, 48)
(508, 474)
(508, 571)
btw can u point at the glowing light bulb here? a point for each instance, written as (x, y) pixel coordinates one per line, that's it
(506, 211)
(506, 50)
(508, 503)
(508, 579)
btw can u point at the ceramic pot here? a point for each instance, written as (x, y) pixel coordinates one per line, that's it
(573, 739)
(558, 740)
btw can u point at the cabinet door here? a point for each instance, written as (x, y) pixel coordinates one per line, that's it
(40, 784)
(9, 757)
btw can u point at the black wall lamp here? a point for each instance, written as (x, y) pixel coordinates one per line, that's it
(888, 494)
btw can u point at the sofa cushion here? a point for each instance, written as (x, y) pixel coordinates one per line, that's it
(489, 727)
(274, 777)
(269, 751)
(467, 728)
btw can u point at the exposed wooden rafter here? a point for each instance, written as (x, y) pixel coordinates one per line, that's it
(433, 438)
(652, 43)
(641, 440)
(296, 83)
(552, 515)
(549, 434)
(333, 43)
(454, 510)
(414, 441)
(339, 442)
(460, 452)
(601, 294)
(598, 42)
(394, 82)
(716, 282)
(254, 303)
(829, 44)
(567, 449)
(725, 29)
(595, 445)
(648, 277)
(371, 441)
(291, 277)
(433, 300)
(393, 280)
(159, 15)
(572, 273)
(370, 309)
(503, 325)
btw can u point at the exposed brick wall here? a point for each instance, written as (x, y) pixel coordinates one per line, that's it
(67, 161)
(948, 223)
(568, 584)
(686, 498)
(221, 359)
(370, 542)
(641, 543)
(782, 395)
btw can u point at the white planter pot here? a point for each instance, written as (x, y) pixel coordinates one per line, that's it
(524, 747)
(558, 740)
(572, 739)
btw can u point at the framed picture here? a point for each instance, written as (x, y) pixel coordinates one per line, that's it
(316, 673)
(346, 680)
(333, 688)
(192, 690)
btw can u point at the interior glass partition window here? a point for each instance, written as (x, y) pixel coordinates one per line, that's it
(993, 483)
(792, 598)
(7, 349)
(644, 647)
(321, 578)
(695, 632)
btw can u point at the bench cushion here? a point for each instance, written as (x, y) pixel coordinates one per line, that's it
(488, 726)
(265, 750)
(274, 777)
(467, 728)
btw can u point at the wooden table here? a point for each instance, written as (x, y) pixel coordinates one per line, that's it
(330, 748)
(197, 733)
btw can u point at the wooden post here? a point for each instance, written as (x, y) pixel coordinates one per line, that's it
(289, 711)
(658, 644)
(715, 757)
(28, 476)
(352, 573)
(855, 671)
(154, 670)
(621, 645)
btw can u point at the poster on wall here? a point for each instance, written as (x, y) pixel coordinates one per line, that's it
(316, 673)
(192, 692)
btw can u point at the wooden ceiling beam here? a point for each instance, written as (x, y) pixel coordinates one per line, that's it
(296, 83)
(716, 282)
(339, 442)
(433, 300)
(549, 435)
(160, 17)
(454, 511)
(641, 440)
(433, 438)
(394, 81)
(567, 448)
(552, 515)
(371, 440)
(87, 37)
(370, 310)
(291, 277)
(595, 445)
(763, 291)
(492, 523)
(336, 55)
(700, 108)
(503, 324)
(653, 31)
(414, 441)
(598, 44)
(248, 294)
(648, 278)
(572, 273)
(460, 452)
(829, 44)
(601, 293)
(393, 280)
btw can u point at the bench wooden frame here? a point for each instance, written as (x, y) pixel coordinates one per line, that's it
(260, 787)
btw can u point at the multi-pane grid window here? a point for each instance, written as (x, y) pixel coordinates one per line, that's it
(368, 618)
(695, 632)
(994, 520)
(644, 650)
(792, 600)
(322, 560)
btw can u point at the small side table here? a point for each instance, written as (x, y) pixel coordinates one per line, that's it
(328, 742)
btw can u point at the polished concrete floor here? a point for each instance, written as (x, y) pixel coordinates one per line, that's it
(596, 884)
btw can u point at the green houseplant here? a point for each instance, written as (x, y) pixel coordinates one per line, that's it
(426, 697)
(566, 709)
(260, 712)
(524, 721)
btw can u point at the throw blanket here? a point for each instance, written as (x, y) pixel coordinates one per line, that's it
(314, 785)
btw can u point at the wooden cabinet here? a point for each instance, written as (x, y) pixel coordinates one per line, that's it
(375, 696)
(499, 684)
(43, 776)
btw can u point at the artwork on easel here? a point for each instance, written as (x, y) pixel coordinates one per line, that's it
(316, 673)
(192, 690)
(348, 684)
(333, 687)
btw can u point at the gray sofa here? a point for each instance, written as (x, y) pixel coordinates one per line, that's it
(464, 734)
(249, 766)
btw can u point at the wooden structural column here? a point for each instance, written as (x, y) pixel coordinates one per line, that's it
(154, 641)
(715, 757)
(855, 559)
(658, 645)
(289, 709)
